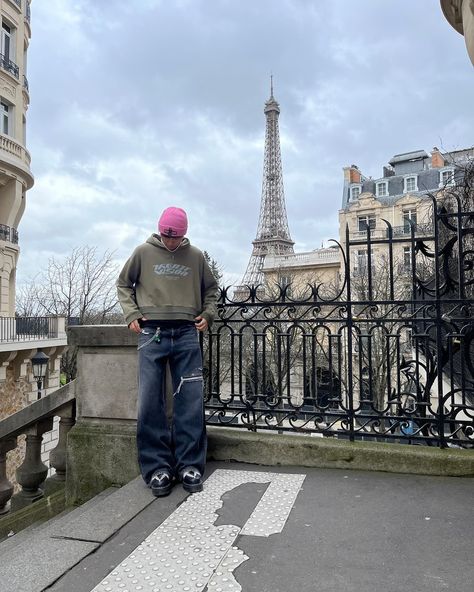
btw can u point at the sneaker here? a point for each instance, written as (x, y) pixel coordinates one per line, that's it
(161, 483)
(192, 480)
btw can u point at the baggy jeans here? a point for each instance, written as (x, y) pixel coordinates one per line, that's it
(183, 444)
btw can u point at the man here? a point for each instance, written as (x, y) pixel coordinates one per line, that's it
(167, 291)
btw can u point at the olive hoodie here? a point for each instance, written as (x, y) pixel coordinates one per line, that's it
(167, 285)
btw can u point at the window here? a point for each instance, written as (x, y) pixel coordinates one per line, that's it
(364, 221)
(446, 177)
(362, 260)
(6, 42)
(285, 282)
(407, 258)
(410, 184)
(5, 112)
(8, 49)
(381, 189)
(355, 191)
(408, 216)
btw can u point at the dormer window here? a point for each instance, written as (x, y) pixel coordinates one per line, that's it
(381, 189)
(355, 191)
(410, 184)
(446, 177)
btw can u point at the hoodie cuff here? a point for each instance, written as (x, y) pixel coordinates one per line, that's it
(209, 319)
(133, 317)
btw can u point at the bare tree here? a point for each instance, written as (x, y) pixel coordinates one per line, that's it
(80, 287)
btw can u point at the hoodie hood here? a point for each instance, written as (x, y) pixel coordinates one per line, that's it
(155, 240)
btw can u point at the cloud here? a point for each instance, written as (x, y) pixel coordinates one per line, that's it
(138, 105)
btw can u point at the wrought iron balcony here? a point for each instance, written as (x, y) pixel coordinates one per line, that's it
(405, 230)
(25, 83)
(18, 3)
(8, 234)
(9, 66)
(14, 329)
(397, 231)
(28, 13)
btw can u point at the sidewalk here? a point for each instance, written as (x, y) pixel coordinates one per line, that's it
(278, 530)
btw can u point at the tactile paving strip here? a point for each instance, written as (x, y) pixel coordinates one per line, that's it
(187, 552)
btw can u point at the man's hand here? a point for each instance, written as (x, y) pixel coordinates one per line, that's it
(135, 326)
(201, 323)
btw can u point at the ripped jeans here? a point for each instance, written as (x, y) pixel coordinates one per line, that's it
(183, 444)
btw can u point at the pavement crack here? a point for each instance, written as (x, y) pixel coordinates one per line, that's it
(66, 538)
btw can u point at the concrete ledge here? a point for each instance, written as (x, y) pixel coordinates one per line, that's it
(104, 454)
(99, 455)
(305, 451)
(101, 336)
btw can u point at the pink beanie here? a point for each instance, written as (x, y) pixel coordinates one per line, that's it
(173, 222)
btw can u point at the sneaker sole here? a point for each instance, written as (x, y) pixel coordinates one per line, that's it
(193, 488)
(162, 491)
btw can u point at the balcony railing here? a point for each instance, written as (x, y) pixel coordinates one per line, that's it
(397, 232)
(14, 148)
(25, 83)
(405, 230)
(320, 256)
(28, 13)
(9, 66)
(8, 234)
(13, 329)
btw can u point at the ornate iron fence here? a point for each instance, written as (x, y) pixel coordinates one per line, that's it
(384, 353)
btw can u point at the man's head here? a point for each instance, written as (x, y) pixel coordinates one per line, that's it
(172, 226)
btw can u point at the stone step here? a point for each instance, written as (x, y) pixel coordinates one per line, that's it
(26, 533)
(51, 549)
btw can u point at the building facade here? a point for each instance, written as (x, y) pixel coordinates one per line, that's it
(297, 272)
(20, 338)
(398, 202)
(15, 173)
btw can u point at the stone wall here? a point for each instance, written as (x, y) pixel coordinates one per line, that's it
(14, 396)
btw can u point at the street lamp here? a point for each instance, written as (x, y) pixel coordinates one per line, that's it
(40, 365)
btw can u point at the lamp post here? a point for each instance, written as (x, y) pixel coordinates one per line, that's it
(40, 364)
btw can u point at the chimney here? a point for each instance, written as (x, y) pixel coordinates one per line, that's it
(437, 159)
(352, 174)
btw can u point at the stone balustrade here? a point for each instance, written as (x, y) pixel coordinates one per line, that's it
(33, 421)
(317, 257)
(15, 149)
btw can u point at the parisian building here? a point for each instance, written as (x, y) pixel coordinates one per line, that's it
(20, 338)
(399, 199)
(399, 196)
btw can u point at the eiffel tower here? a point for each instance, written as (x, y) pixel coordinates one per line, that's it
(273, 234)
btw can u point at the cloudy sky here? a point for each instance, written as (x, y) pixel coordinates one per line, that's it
(137, 105)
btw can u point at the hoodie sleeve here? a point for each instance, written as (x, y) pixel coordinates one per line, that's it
(126, 288)
(209, 289)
